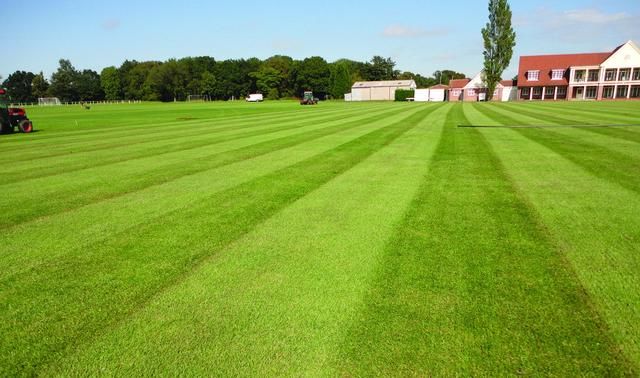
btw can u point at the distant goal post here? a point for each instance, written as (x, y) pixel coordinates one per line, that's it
(49, 101)
(198, 98)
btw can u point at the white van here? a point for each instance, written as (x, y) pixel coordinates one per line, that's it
(255, 98)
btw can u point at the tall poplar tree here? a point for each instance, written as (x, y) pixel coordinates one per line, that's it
(499, 40)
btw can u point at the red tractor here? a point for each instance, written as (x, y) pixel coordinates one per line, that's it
(10, 118)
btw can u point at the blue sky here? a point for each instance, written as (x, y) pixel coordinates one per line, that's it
(421, 36)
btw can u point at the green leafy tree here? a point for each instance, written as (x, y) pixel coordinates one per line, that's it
(285, 67)
(39, 86)
(135, 83)
(445, 76)
(380, 69)
(268, 81)
(166, 82)
(340, 80)
(313, 74)
(64, 82)
(208, 83)
(19, 86)
(110, 82)
(499, 41)
(88, 86)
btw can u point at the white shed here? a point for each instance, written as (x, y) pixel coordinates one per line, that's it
(379, 90)
(422, 95)
(438, 93)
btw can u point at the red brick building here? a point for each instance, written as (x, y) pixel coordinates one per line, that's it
(593, 76)
(470, 90)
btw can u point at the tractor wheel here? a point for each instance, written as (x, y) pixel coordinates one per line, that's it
(25, 126)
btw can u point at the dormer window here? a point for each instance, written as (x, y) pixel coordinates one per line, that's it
(557, 74)
(533, 75)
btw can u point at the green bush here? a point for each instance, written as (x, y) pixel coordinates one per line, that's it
(404, 94)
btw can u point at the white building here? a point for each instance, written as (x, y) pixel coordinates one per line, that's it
(379, 90)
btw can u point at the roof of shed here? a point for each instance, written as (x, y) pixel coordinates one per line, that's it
(383, 84)
(458, 83)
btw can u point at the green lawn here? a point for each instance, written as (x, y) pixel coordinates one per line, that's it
(346, 239)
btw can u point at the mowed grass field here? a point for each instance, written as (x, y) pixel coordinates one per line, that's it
(346, 239)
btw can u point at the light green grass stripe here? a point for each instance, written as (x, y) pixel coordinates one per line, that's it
(580, 118)
(176, 130)
(471, 286)
(94, 290)
(29, 245)
(277, 301)
(594, 222)
(606, 162)
(30, 168)
(616, 139)
(101, 119)
(68, 191)
(591, 110)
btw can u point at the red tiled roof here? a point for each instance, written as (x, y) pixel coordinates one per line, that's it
(458, 83)
(509, 83)
(546, 63)
(440, 86)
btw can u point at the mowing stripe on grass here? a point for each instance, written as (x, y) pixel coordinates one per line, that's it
(87, 289)
(288, 286)
(572, 119)
(30, 167)
(75, 190)
(177, 131)
(594, 220)
(73, 231)
(472, 285)
(600, 161)
(149, 123)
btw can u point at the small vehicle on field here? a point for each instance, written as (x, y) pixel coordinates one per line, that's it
(256, 97)
(308, 99)
(11, 117)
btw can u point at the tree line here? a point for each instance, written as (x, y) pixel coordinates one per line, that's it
(175, 79)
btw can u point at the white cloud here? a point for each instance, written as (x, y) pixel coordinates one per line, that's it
(403, 31)
(595, 16)
(582, 28)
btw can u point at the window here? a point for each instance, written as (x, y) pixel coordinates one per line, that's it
(636, 74)
(635, 91)
(455, 92)
(610, 74)
(471, 92)
(625, 74)
(623, 90)
(562, 92)
(607, 92)
(579, 75)
(549, 91)
(592, 93)
(594, 75)
(557, 74)
(533, 75)
(537, 91)
(525, 92)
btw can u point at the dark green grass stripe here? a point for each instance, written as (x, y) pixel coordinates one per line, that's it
(65, 136)
(173, 131)
(22, 208)
(83, 294)
(544, 115)
(569, 119)
(602, 162)
(472, 284)
(590, 111)
(74, 161)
